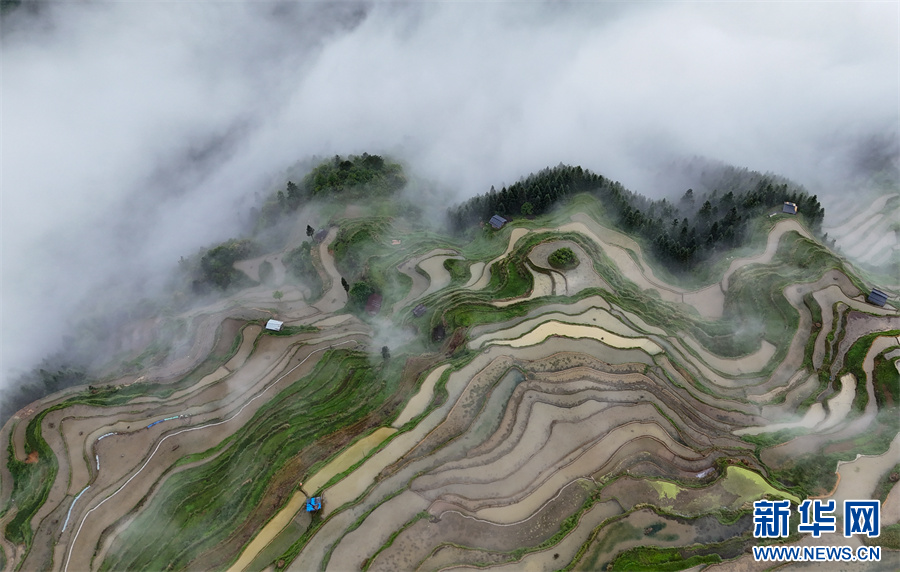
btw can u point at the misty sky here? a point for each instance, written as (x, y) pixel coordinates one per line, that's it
(133, 134)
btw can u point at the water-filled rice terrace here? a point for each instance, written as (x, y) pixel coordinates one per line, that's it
(527, 417)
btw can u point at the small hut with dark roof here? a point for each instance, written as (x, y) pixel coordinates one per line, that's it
(498, 221)
(789, 208)
(419, 310)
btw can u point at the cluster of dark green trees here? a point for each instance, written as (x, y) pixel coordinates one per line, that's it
(679, 234)
(370, 172)
(535, 194)
(563, 258)
(217, 265)
(368, 175)
(358, 295)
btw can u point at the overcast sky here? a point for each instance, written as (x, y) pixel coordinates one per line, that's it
(132, 132)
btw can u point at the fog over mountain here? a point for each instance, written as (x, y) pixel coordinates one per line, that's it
(133, 134)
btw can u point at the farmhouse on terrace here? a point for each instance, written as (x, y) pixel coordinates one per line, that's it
(498, 221)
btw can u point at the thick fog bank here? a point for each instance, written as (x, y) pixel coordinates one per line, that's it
(133, 134)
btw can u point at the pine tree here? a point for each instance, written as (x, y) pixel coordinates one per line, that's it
(293, 195)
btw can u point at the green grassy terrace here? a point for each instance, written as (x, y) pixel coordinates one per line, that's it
(266, 457)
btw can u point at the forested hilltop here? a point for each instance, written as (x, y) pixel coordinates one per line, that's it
(354, 176)
(681, 234)
(339, 178)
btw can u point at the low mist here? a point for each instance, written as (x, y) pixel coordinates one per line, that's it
(136, 133)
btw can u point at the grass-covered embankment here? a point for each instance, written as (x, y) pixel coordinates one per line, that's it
(211, 510)
(32, 481)
(301, 265)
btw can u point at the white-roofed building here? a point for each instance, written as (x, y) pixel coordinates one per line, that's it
(274, 325)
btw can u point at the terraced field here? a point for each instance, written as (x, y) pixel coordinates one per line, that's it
(531, 418)
(868, 233)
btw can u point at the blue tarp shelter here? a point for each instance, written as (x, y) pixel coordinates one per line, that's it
(313, 504)
(877, 297)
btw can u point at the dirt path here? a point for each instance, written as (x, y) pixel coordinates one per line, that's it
(781, 227)
(335, 298)
(419, 282)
